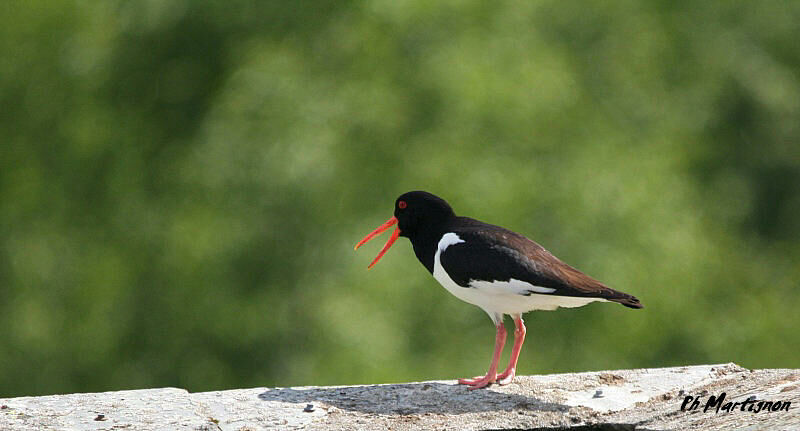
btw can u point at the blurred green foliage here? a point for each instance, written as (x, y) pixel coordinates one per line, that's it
(182, 183)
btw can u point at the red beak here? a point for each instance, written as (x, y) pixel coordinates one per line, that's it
(389, 223)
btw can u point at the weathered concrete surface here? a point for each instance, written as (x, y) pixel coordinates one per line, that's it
(645, 399)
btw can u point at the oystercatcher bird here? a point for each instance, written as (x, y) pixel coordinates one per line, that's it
(496, 269)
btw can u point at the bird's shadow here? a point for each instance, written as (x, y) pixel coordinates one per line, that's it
(411, 398)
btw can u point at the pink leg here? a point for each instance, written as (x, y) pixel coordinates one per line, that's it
(507, 376)
(491, 376)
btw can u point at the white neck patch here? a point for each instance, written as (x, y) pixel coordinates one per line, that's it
(449, 239)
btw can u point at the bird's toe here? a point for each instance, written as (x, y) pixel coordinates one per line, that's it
(479, 381)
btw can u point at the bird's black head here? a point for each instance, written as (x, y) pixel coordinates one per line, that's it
(415, 214)
(420, 211)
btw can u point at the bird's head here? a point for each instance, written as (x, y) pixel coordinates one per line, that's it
(414, 212)
(418, 210)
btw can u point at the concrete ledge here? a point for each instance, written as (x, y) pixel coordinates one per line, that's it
(643, 399)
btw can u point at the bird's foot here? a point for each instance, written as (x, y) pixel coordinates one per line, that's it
(478, 382)
(506, 376)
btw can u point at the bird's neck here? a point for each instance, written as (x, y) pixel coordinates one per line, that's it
(425, 245)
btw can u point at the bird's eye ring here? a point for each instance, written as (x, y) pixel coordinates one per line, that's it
(402, 204)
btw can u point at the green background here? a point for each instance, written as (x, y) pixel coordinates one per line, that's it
(182, 184)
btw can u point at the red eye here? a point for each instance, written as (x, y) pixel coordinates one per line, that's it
(402, 204)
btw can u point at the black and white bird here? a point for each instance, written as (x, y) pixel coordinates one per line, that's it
(496, 269)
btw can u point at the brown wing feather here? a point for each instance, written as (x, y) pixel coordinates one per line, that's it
(573, 282)
(580, 282)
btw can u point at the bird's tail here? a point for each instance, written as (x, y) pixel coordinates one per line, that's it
(626, 300)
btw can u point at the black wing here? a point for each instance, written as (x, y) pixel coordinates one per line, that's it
(491, 253)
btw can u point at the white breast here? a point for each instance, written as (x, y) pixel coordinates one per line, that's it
(500, 297)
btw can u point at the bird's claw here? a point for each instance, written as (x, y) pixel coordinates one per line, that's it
(478, 382)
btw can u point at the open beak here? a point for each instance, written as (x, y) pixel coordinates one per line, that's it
(389, 223)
